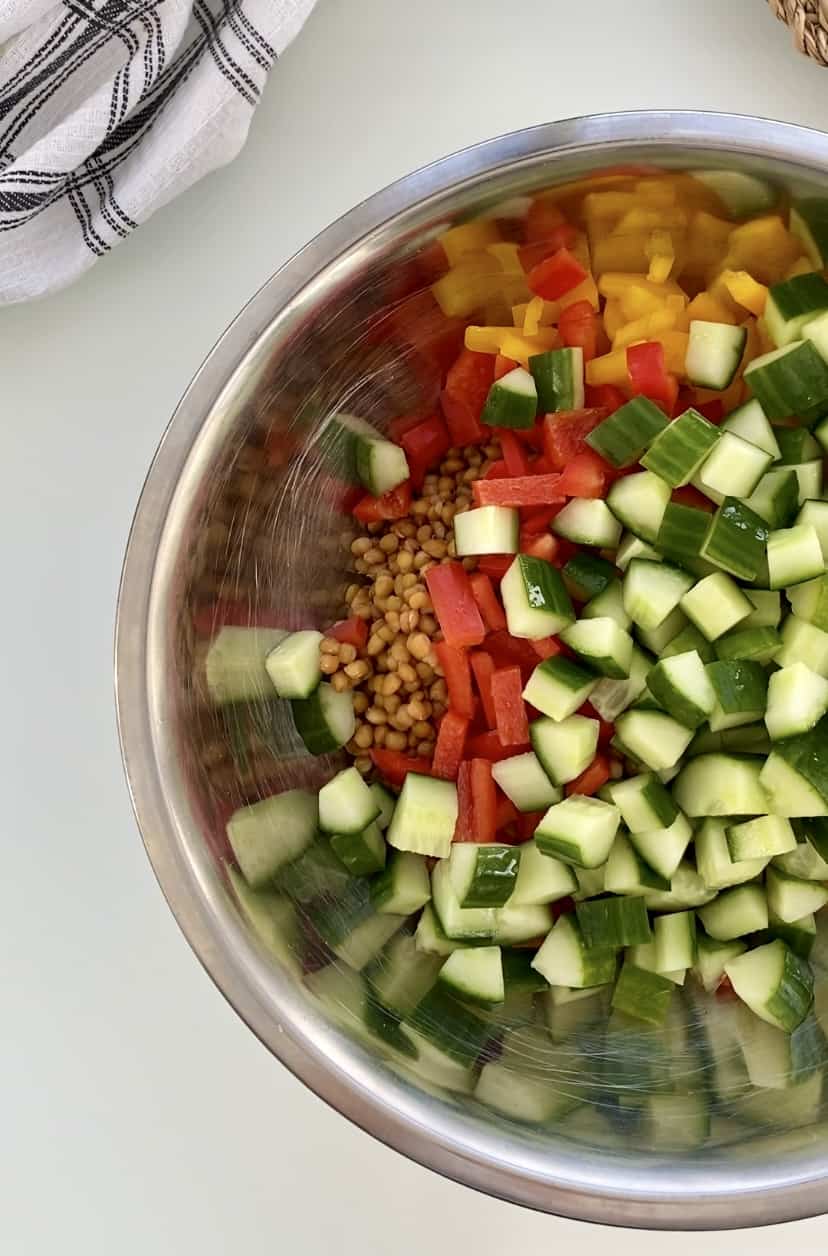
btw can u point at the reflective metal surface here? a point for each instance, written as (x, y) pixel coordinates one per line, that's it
(239, 508)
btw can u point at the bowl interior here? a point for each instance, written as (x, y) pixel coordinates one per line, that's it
(243, 521)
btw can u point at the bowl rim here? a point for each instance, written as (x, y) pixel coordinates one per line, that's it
(340, 1072)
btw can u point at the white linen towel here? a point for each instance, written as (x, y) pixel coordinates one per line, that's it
(109, 109)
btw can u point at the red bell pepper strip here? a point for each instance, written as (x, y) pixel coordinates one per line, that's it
(495, 566)
(510, 711)
(528, 821)
(712, 410)
(483, 669)
(689, 496)
(503, 366)
(564, 434)
(556, 275)
(457, 673)
(543, 546)
(592, 778)
(489, 746)
(393, 766)
(547, 647)
(542, 218)
(505, 812)
(585, 475)
(578, 327)
(424, 446)
(395, 504)
(448, 750)
(605, 395)
(649, 376)
(467, 386)
(454, 604)
(493, 614)
(522, 490)
(403, 423)
(535, 520)
(484, 800)
(503, 646)
(352, 631)
(464, 828)
(513, 453)
(497, 471)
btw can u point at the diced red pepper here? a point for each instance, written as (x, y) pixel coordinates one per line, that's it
(531, 254)
(497, 471)
(712, 410)
(605, 395)
(542, 218)
(464, 828)
(493, 614)
(565, 431)
(540, 465)
(467, 387)
(689, 496)
(482, 666)
(543, 546)
(454, 604)
(451, 741)
(484, 800)
(424, 446)
(585, 475)
(394, 766)
(592, 778)
(536, 519)
(563, 907)
(489, 746)
(522, 490)
(403, 423)
(502, 645)
(649, 376)
(547, 647)
(395, 504)
(606, 730)
(556, 275)
(578, 327)
(457, 673)
(495, 566)
(503, 366)
(510, 711)
(352, 631)
(506, 812)
(514, 454)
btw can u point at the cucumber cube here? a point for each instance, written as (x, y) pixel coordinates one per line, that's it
(644, 803)
(535, 598)
(716, 865)
(775, 983)
(797, 700)
(761, 838)
(558, 686)
(564, 748)
(794, 555)
(487, 530)
(512, 401)
(653, 590)
(803, 643)
(639, 502)
(624, 436)
(791, 898)
(587, 521)
(606, 647)
(578, 831)
(681, 685)
(680, 448)
(735, 913)
(733, 467)
(541, 878)
(715, 605)
(741, 689)
(655, 739)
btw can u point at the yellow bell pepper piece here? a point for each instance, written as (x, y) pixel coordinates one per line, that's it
(617, 284)
(719, 291)
(707, 309)
(650, 327)
(802, 266)
(659, 192)
(580, 250)
(469, 237)
(705, 246)
(587, 290)
(468, 286)
(662, 255)
(532, 318)
(507, 255)
(614, 318)
(602, 210)
(766, 345)
(521, 348)
(621, 252)
(610, 368)
(519, 313)
(485, 339)
(763, 247)
(644, 218)
(675, 350)
(745, 291)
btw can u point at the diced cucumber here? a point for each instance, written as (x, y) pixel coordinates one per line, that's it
(714, 352)
(518, 1083)
(677, 1122)
(642, 994)
(761, 838)
(715, 863)
(653, 590)
(475, 974)
(535, 598)
(608, 605)
(425, 816)
(776, 498)
(682, 535)
(363, 941)
(686, 890)
(317, 873)
(403, 886)
(234, 666)
(733, 468)
(804, 861)
(564, 959)
(627, 873)
(587, 575)
(632, 546)
(644, 803)
(796, 444)
(403, 974)
(790, 792)
(644, 956)
(460, 924)
(803, 643)
(794, 555)
(272, 918)
(519, 977)
(721, 785)
(624, 436)
(487, 530)
(816, 513)
(587, 521)
(679, 449)
(515, 924)
(361, 853)
(558, 687)
(512, 401)
(715, 604)
(483, 876)
(355, 450)
(675, 941)
(767, 609)
(611, 923)
(760, 645)
(735, 913)
(792, 303)
(777, 1060)
(578, 831)
(564, 748)
(293, 665)
(741, 691)
(386, 802)
(346, 804)
(809, 223)
(267, 835)
(809, 479)
(658, 639)
(712, 957)
(751, 423)
(790, 380)
(809, 601)
(429, 937)
(663, 848)
(610, 697)
(380, 465)
(559, 379)
(602, 644)
(747, 739)
(791, 898)
(570, 1012)
(681, 685)
(449, 1025)
(524, 781)
(742, 194)
(800, 935)
(657, 740)
(736, 539)
(541, 878)
(797, 700)
(775, 983)
(325, 720)
(639, 502)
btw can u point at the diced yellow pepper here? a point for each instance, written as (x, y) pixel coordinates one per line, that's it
(766, 345)
(638, 302)
(621, 252)
(521, 348)
(469, 237)
(611, 368)
(675, 350)
(661, 192)
(802, 266)
(587, 290)
(616, 284)
(519, 313)
(707, 309)
(614, 318)
(763, 247)
(485, 339)
(534, 312)
(662, 255)
(602, 210)
(706, 245)
(719, 291)
(650, 327)
(580, 250)
(507, 254)
(643, 218)
(745, 291)
(465, 288)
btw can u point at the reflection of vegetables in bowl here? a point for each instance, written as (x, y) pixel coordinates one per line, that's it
(480, 629)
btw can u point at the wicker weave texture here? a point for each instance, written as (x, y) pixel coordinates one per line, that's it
(808, 19)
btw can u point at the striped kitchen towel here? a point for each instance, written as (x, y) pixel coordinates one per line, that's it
(109, 109)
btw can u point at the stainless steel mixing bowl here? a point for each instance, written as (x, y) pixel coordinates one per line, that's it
(237, 507)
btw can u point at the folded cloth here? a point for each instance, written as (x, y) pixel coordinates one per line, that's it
(109, 109)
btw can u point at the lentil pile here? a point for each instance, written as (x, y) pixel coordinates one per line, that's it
(399, 691)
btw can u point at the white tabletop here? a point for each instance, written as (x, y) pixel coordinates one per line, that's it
(139, 1115)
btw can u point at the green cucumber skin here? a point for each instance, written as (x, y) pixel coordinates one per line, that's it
(807, 754)
(625, 920)
(495, 880)
(736, 540)
(558, 384)
(740, 684)
(623, 437)
(644, 995)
